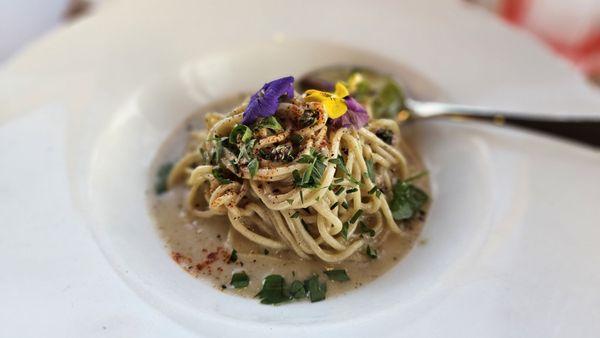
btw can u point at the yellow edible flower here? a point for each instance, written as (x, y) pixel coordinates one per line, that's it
(333, 103)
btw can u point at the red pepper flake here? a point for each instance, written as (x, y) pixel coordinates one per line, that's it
(181, 259)
(210, 259)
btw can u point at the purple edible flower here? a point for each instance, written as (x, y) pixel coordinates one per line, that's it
(355, 117)
(264, 102)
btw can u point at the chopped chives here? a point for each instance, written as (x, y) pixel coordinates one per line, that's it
(356, 216)
(349, 191)
(334, 205)
(345, 205)
(296, 214)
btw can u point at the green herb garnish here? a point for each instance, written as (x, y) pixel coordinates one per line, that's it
(314, 171)
(295, 215)
(370, 170)
(240, 280)
(372, 253)
(349, 191)
(253, 167)
(219, 174)
(297, 290)
(345, 205)
(316, 290)
(270, 123)
(345, 230)
(338, 275)
(334, 205)
(273, 290)
(296, 140)
(240, 133)
(339, 163)
(162, 176)
(407, 201)
(364, 229)
(389, 101)
(308, 118)
(385, 135)
(233, 257)
(356, 216)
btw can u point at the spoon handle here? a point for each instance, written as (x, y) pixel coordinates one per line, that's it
(422, 109)
(576, 129)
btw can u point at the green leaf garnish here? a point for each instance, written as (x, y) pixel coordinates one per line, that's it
(219, 174)
(308, 118)
(385, 135)
(253, 167)
(295, 215)
(370, 170)
(338, 275)
(160, 186)
(233, 257)
(270, 123)
(316, 290)
(407, 201)
(349, 191)
(240, 280)
(345, 205)
(372, 253)
(364, 229)
(334, 205)
(240, 133)
(273, 290)
(339, 163)
(314, 171)
(356, 216)
(345, 230)
(389, 101)
(297, 290)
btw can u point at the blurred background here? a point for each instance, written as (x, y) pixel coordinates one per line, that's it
(571, 28)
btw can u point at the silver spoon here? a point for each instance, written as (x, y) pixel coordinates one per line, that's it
(582, 130)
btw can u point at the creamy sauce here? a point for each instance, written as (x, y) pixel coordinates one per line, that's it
(202, 247)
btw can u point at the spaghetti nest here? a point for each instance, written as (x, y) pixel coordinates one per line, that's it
(293, 182)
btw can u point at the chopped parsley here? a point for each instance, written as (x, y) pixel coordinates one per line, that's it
(308, 118)
(240, 133)
(316, 290)
(219, 174)
(273, 290)
(297, 290)
(233, 257)
(162, 176)
(407, 201)
(240, 280)
(385, 135)
(338, 275)
(364, 229)
(253, 167)
(314, 171)
(270, 123)
(372, 253)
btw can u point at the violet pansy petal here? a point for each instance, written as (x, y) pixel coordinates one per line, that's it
(355, 117)
(264, 102)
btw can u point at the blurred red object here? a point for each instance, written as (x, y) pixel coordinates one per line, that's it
(571, 28)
